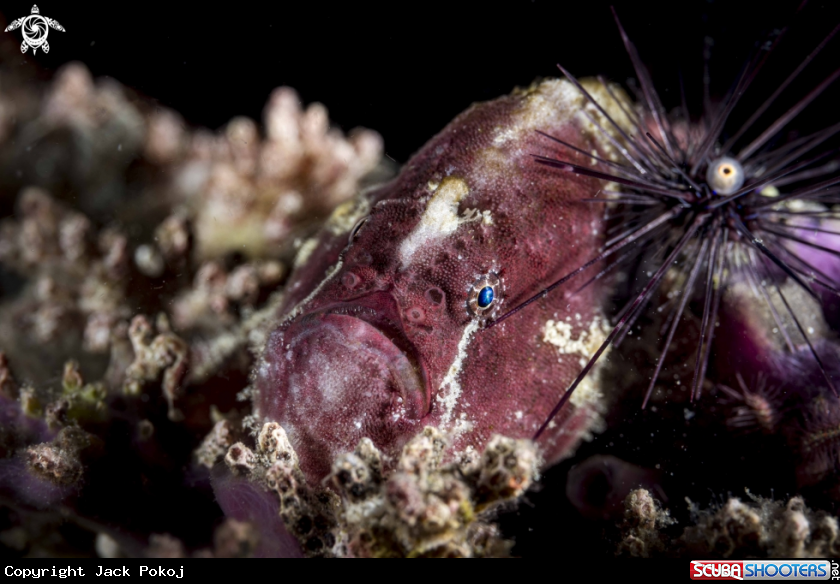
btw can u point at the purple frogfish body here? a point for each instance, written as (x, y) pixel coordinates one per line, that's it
(381, 330)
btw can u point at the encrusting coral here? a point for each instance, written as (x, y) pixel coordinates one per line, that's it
(424, 507)
(764, 528)
(756, 528)
(643, 519)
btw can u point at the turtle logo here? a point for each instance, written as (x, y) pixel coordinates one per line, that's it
(35, 29)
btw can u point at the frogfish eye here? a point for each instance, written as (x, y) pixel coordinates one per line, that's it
(725, 175)
(484, 295)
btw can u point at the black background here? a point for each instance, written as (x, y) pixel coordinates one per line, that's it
(405, 69)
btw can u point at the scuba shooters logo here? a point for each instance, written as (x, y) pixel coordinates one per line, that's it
(765, 570)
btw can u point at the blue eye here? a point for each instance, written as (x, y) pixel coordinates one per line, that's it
(485, 295)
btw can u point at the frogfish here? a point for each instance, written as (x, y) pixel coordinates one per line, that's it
(381, 331)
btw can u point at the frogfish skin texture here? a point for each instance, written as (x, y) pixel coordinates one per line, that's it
(377, 336)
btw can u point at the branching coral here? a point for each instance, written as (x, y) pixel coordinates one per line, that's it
(248, 193)
(122, 211)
